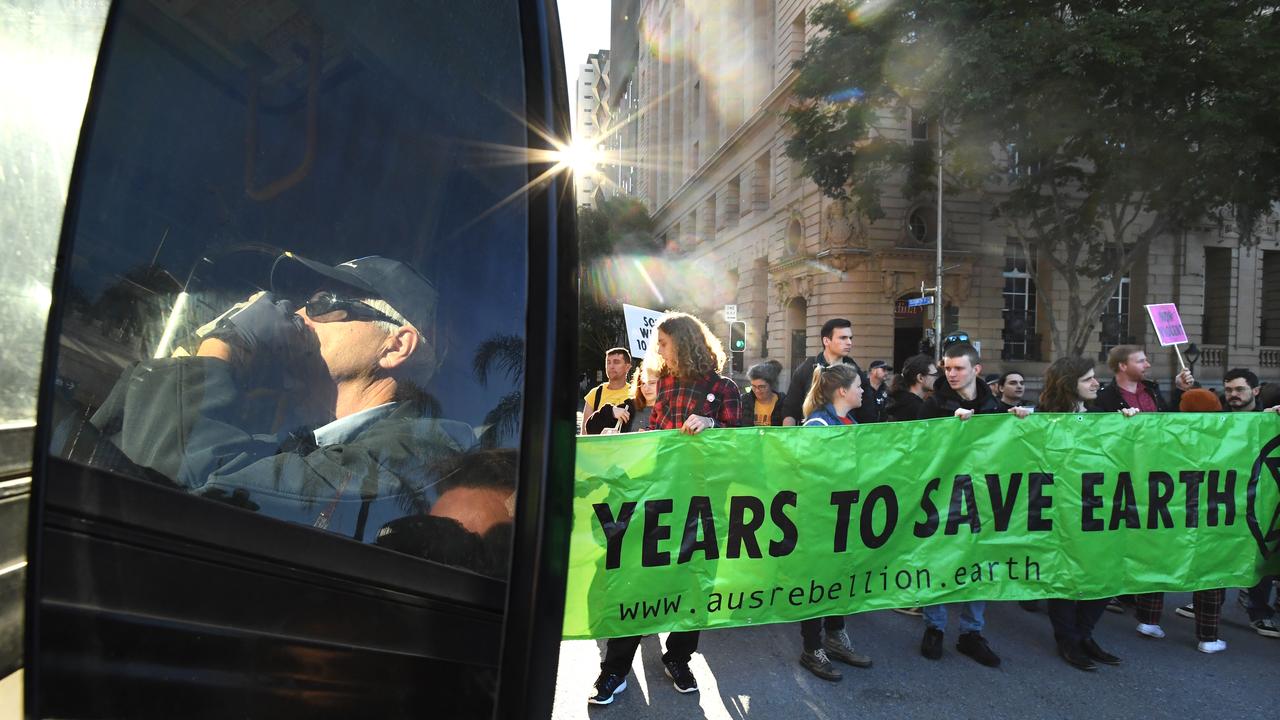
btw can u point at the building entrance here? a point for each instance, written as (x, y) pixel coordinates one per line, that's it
(908, 329)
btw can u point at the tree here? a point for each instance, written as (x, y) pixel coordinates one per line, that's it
(618, 227)
(1100, 126)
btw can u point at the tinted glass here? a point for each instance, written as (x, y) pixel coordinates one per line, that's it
(243, 157)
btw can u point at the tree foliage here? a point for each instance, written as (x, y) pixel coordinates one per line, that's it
(617, 227)
(1098, 126)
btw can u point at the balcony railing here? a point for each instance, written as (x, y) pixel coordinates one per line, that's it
(1269, 357)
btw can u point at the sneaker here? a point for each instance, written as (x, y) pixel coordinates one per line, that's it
(839, 647)
(1151, 631)
(819, 664)
(1114, 605)
(1075, 657)
(913, 612)
(976, 647)
(1213, 646)
(931, 645)
(607, 685)
(1186, 611)
(681, 676)
(1090, 648)
(1266, 627)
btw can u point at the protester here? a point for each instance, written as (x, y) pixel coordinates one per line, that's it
(1240, 388)
(692, 396)
(1207, 603)
(1010, 388)
(1069, 386)
(837, 343)
(614, 391)
(878, 385)
(910, 388)
(1132, 388)
(633, 413)
(961, 395)
(993, 383)
(834, 393)
(762, 404)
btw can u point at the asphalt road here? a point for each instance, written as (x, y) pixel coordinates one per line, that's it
(754, 673)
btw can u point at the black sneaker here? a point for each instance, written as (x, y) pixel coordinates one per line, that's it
(681, 676)
(1266, 627)
(976, 647)
(1090, 648)
(819, 664)
(931, 645)
(1114, 605)
(607, 685)
(1186, 611)
(1075, 657)
(839, 647)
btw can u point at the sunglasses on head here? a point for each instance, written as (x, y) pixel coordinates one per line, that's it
(326, 307)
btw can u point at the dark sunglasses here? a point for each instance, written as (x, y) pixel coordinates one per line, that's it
(326, 307)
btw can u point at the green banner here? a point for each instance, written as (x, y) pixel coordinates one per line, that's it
(762, 525)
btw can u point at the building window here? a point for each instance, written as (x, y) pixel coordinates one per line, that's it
(1217, 296)
(919, 126)
(1020, 339)
(1115, 319)
(761, 183)
(796, 50)
(1270, 298)
(732, 200)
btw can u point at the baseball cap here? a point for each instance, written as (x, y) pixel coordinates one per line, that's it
(402, 287)
(880, 364)
(991, 377)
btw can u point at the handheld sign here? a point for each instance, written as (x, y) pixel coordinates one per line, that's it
(642, 328)
(1164, 316)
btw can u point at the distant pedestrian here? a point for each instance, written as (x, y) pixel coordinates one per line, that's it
(837, 343)
(1069, 386)
(878, 384)
(910, 387)
(834, 393)
(614, 390)
(1010, 387)
(692, 397)
(762, 404)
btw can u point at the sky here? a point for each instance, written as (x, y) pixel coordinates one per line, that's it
(584, 27)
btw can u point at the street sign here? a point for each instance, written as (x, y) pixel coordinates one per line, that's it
(917, 302)
(730, 313)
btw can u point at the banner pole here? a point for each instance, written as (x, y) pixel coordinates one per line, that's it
(1181, 362)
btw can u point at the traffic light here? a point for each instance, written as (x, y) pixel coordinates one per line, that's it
(737, 344)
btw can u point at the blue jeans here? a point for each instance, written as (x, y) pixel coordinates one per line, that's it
(935, 616)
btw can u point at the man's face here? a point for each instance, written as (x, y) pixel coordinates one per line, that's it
(1013, 388)
(1087, 386)
(350, 349)
(1239, 395)
(1136, 367)
(615, 367)
(876, 376)
(960, 372)
(666, 349)
(840, 343)
(762, 390)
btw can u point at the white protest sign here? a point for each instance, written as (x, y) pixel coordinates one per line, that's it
(642, 328)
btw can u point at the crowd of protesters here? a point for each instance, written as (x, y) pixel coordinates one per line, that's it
(681, 387)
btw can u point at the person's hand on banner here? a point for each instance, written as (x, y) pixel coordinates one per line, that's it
(1021, 412)
(1129, 412)
(1184, 381)
(620, 413)
(695, 424)
(964, 414)
(1275, 409)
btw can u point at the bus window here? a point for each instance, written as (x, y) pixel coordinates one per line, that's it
(288, 398)
(49, 49)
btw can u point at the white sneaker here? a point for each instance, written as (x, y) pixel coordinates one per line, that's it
(1152, 631)
(1213, 646)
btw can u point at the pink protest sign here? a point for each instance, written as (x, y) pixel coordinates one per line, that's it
(1168, 325)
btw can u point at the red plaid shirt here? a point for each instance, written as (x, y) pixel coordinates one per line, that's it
(677, 401)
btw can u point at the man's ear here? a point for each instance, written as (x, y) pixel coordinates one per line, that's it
(400, 346)
(977, 371)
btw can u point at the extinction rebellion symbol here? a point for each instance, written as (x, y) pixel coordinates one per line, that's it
(1266, 471)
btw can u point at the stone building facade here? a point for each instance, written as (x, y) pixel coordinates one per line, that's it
(713, 78)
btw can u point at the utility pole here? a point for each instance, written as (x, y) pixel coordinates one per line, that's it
(937, 289)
